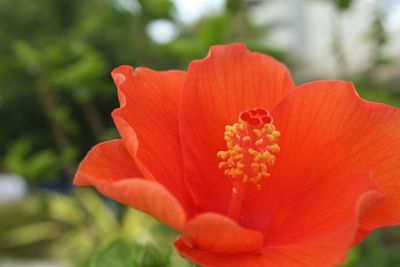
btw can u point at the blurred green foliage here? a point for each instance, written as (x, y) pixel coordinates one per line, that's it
(40, 165)
(82, 231)
(55, 103)
(124, 253)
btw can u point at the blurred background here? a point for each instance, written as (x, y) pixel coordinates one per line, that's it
(56, 96)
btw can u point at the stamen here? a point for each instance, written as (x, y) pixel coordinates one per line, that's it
(251, 143)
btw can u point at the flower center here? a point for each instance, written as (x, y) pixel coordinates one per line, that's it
(251, 143)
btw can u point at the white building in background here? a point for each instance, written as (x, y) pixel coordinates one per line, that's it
(306, 28)
(12, 188)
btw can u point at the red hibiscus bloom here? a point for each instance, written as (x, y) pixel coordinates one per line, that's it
(251, 170)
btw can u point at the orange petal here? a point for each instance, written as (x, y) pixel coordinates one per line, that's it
(108, 161)
(148, 123)
(150, 197)
(230, 80)
(220, 234)
(321, 209)
(317, 234)
(110, 168)
(328, 131)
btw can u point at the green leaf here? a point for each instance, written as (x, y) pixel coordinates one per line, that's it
(128, 254)
(118, 254)
(352, 258)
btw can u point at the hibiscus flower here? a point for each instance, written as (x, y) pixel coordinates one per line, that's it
(250, 169)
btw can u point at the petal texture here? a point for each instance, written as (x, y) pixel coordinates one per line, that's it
(328, 131)
(230, 80)
(110, 168)
(148, 123)
(150, 197)
(318, 234)
(107, 162)
(217, 233)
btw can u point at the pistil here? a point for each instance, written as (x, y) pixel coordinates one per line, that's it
(251, 143)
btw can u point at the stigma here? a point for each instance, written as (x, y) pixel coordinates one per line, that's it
(251, 144)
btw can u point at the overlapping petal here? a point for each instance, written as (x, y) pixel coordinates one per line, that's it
(148, 123)
(110, 168)
(328, 131)
(230, 80)
(309, 233)
(106, 162)
(217, 233)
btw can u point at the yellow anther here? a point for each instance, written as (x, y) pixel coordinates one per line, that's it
(235, 172)
(240, 165)
(259, 141)
(230, 135)
(269, 127)
(270, 159)
(252, 151)
(266, 154)
(232, 153)
(239, 156)
(263, 167)
(230, 162)
(222, 154)
(276, 134)
(237, 148)
(255, 166)
(264, 173)
(257, 132)
(246, 138)
(271, 138)
(274, 148)
(222, 164)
